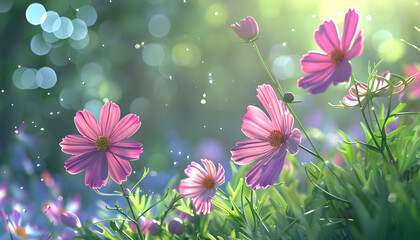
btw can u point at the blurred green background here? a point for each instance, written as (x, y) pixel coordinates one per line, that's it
(180, 67)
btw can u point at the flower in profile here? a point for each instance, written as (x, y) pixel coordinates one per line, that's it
(54, 210)
(334, 66)
(14, 226)
(378, 88)
(101, 149)
(201, 184)
(414, 87)
(247, 29)
(270, 139)
(70, 220)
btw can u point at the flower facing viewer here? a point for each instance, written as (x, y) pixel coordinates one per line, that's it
(334, 66)
(270, 139)
(201, 184)
(247, 29)
(101, 149)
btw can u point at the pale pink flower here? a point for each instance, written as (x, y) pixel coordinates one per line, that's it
(201, 184)
(247, 29)
(270, 139)
(101, 149)
(334, 66)
(413, 87)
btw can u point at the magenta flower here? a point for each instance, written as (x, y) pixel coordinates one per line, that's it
(334, 66)
(270, 139)
(201, 184)
(247, 30)
(414, 87)
(101, 149)
(54, 210)
(378, 88)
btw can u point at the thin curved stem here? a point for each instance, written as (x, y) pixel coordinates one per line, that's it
(134, 215)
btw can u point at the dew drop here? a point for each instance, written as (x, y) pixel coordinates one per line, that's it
(142, 43)
(175, 163)
(170, 77)
(21, 188)
(188, 156)
(137, 46)
(58, 113)
(38, 165)
(19, 66)
(61, 99)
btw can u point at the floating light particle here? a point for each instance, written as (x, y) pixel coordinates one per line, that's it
(48, 93)
(137, 46)
(19, 66)
(103, 45)
(284, 44)
(2, 90)
(188, 49)
(142, 43)
(38, 165)
(134, 172)
(170, 77)
(42, 129)
(16, 132)
(175, 163)
(51, 113)
(216, 13)
(203, 101)
(204, 95)
(179, 153)
(58, 113)
(188, 156)
(211, 81)
(172, 151)
(42, 179)
(220, 129)
(369, 18)
(313, 16)
(77, 9)
(83, 83)
(293, 30)
(21, 188)
(12, 105)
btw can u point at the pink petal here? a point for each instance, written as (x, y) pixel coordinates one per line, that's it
(86, 124)
(250, 150)
(125, 128)
(327, 37)
(118, 168)
(269, 100)
(75, 144)
(351, 22)
(190, 188)
(203, 207)
(360, 90)
(287, 122)
(109, 117)
(196, 171)
(341, 72)
(272, 170)
(97, 173)
(256, 124)
(314, 62)
(78, 163)
(293, 141)
(220, 176)
(127, 150)
(356, 49)
(210, 168)
(351, 101)
(316, 79)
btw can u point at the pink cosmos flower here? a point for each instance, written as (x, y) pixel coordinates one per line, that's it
(379, 88)
(101, 149)
(334, 66)
(201, 184)
(14, 225)
(414, 87)
(270, 139)
(247, 30)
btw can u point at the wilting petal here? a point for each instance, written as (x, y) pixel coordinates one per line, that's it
(78, 163)
(127, 150)
(75, 144)
(356, 49)
(269, 100)
(97, 172)
(211, 169)
(314, 62)
(256, 124)
(125, 128)
(86, 124)
(358, 89)
(250, 150)
(293, 141)
(327, 37)
(341, 72)
(351, 22)
(108, 118)
(118, 168)
(220, 176)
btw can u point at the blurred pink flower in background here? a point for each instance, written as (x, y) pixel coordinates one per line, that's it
(201, 184)
(14, 226)
(247, 29)
(54, 210)
(101, 149)
(270, 139)
(334, 66)
(413, 87)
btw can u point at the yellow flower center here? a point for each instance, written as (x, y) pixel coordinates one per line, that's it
(208, 183)
(20, 231)
(276, 138)
(337, 56)
(102, 143)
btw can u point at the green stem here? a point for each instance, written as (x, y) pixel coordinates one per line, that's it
(277, 84)
(134, 215)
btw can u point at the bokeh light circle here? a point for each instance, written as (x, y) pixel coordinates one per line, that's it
(17, 76)
(39, 46)
(66, 28)
(284, 67)
(48, 25)
(94, 106)
(159, 25)
(88, 15)
(142, 107)
(5, 5)
(80, 29)
(186, 54)
(35, 14)
(28, 78)
(46, 78)
(80, 44)
(153, 54)
(164, 89)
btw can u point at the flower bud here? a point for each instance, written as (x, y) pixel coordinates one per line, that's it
(247, 30)
(175, 226)
(288, 97)
(153, 227)
(126, 192)
(70, 220)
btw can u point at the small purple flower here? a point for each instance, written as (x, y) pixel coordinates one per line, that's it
(247, 30)
(153, 227)
(334, 66)
(183, 215)
(175, 226)
(70, 220)
(269, 142)
(14, 226)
